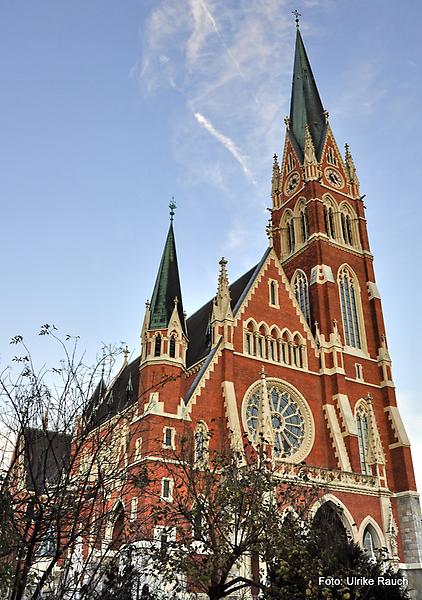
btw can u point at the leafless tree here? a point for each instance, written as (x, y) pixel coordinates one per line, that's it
(70, 430)
(220, 514)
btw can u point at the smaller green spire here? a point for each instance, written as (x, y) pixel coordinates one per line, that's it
(167, 285)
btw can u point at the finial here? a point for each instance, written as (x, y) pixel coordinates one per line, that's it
(126, 355)
(326, 115)
(350, 167)
(172, 206)
(176, 301)
(287, 122)
(262, 372)
(223, 262)
(297, 14)
(147, 304)
(369, 398)
(269, 230)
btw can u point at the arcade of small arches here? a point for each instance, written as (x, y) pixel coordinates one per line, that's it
(166, 346)
(272, 344)
(340, 223)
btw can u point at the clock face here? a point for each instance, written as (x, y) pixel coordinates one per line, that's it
(334, 178)
(292, 183)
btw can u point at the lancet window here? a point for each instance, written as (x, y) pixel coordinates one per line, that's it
(349, 298)
(329, 221)
(301, 292)
(172, 346)
(201, 442)
(273, 289)
(331, 157)
(304, 228)
(274, 345)
(362, 428)
(157, 345)
(291, 238)
(290, 162)
(346, 229)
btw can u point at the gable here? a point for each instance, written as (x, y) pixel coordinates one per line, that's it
(256, 305)
(332, 164)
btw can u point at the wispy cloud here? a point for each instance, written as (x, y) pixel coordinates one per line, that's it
(223, 139)
(230, 63)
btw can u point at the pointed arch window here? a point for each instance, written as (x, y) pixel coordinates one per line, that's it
(304, 224)
(331, 157)
(349, 308)
(363, 440)
(273, 293)
(157, 345)
(370, 543)
(290, 162)
(291, 235)
(201, 441)
(301, 292)
(172, 346)
(250, 338)
(285, 347)
(329, 221)
(346, 228)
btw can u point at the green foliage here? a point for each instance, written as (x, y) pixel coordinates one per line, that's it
(218, 517)
(300, 553)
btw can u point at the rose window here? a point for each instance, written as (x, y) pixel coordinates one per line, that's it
(290, 419)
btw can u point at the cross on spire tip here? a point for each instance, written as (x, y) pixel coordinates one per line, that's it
(172, 207)
(297, 14)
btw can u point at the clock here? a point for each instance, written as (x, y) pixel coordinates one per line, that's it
(334, 178)
(292, 183)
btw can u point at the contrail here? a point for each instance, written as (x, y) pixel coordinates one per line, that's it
(223, 139)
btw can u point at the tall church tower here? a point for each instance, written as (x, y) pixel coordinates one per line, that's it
(319, 233)
(294, 352)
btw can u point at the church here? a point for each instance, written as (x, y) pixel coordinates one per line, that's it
(305, 324)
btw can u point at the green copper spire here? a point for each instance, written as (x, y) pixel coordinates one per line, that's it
(167, 286)
(305, 105)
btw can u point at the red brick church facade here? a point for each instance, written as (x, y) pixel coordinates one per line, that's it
(306, 322)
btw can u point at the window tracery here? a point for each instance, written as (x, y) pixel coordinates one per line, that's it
(301, 292)
(349, 299)
(290, 418)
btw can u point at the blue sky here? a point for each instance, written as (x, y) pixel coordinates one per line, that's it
(108, 109)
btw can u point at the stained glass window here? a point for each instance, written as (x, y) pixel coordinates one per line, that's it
(287, 420)
(349, 310)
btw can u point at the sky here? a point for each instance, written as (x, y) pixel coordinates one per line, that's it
(109, 109)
